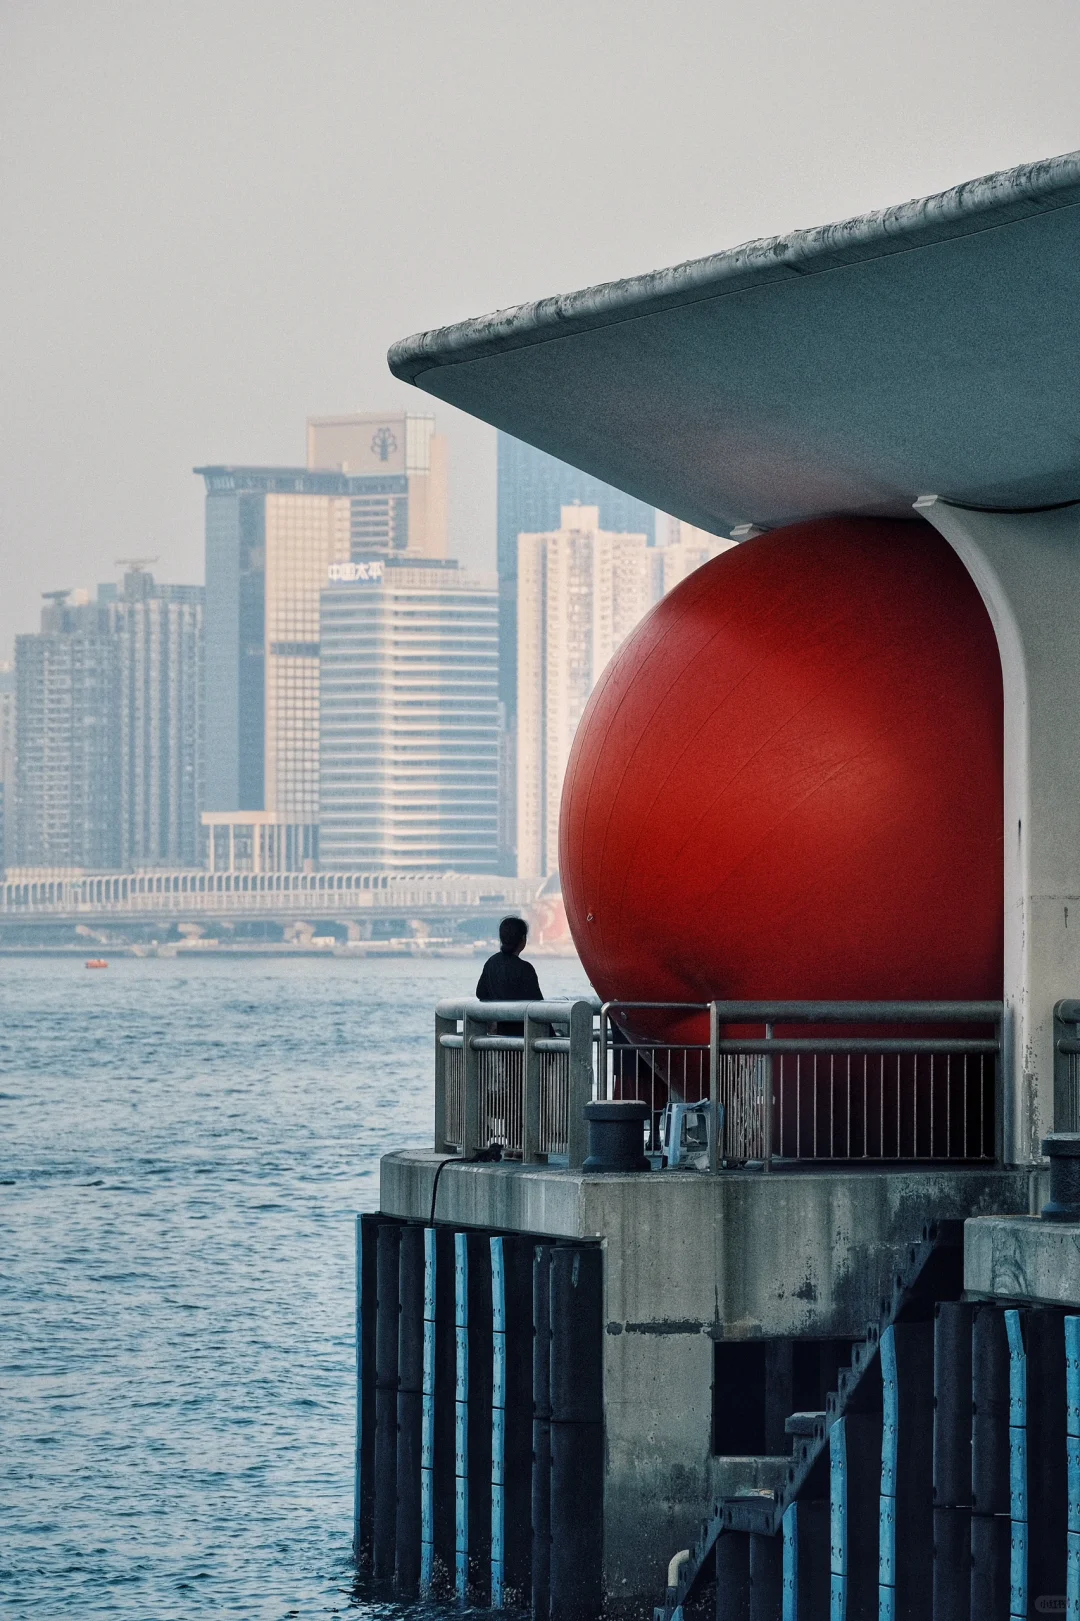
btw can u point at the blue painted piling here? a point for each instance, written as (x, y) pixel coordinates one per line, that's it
(1018, 1505)
(461, 1417)
(890, 1428)
(805, 1573)
(905, 1522)
(359, 1448)
(1072, 1442)
(498, 1425)
(427, 1444)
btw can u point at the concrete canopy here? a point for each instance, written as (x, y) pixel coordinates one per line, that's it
(929, 348)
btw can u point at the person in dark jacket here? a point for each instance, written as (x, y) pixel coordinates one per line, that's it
(506, 977)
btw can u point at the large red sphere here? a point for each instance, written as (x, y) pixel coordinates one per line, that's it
(788, 782)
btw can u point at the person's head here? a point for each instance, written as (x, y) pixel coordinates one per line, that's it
(513, 933)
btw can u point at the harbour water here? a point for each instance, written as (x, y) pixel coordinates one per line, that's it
(183, 1145)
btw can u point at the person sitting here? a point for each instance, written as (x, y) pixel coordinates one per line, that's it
(506, 977)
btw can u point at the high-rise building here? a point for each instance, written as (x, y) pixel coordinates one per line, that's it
(67, 745)
(108, 728)
(581, 590)
(680, 549)
(7, 761)
(375, 445)
(533, 488)
(160, 629)
(375, 485)
(408, 718)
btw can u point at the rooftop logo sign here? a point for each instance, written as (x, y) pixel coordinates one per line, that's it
(351, 572)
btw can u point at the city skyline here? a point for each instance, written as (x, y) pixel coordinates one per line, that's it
(168, 308)
(336, 696)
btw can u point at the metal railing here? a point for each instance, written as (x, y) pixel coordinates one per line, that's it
(523, 1094)
(1067, 1066)
(778, 1082)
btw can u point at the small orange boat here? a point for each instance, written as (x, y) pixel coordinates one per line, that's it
(96, 962)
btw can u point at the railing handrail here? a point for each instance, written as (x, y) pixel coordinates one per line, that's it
(903, 1012)
(549, 1010)
(571, 1031)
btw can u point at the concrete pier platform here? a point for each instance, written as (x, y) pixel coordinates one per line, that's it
(692, 1261)
(1020, 1258)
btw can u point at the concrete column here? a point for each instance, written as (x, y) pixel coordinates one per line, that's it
(1027, 568)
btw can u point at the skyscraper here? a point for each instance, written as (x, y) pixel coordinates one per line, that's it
(375, 485)
(408, 718)
(67, 738)
(160, 630)
(373, 445)
(533, 487)
(680, 549)
(581, 590)
(108, 728)
(7, 762)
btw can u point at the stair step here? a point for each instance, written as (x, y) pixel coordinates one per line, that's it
(807, 1424)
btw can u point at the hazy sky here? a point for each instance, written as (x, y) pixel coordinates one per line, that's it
(218, 214)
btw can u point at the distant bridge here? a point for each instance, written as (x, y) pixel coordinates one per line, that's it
(44, 895)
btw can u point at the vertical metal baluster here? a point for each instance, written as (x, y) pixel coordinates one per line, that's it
(899, 1108)
(832, 1121)
(767, 1101)
(881, 1111)
(948, 1109)
(966, 1108)
(865, 1116)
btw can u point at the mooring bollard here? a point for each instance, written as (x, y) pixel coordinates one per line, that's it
(1063, 1149)
(616, 1135)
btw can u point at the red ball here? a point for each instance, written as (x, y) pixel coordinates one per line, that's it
(788, 781)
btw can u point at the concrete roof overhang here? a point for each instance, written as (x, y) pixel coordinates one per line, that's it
(929, 348)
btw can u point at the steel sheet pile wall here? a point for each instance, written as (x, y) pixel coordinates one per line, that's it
(479, 1456)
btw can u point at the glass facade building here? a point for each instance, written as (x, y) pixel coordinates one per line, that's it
(374, 485)
(408, 718)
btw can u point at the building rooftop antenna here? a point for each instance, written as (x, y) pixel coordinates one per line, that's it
(134, 562)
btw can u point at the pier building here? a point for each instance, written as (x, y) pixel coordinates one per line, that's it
(821, 1358)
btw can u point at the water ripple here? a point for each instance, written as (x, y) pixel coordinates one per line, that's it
(182, 1149)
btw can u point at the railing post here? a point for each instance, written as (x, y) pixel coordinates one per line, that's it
(603, 1056)
(471, 1073)
(579, 1091)
(999, 1089)
(530, 1102)
(770, 1102)
(714, 1088)
(1066, 1115)
(443, 1027)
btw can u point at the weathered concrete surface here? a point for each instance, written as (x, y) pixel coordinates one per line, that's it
(1027, 569)
(848, 368)
(1023, 1258)
(690, 1258)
